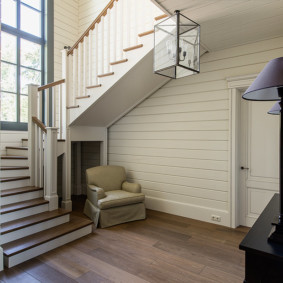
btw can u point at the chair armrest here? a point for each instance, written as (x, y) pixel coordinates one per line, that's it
(94, 194)
(131, 187)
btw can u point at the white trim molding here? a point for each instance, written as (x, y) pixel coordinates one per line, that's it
(236, 85)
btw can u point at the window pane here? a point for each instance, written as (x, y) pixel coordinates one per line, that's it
(30, 21)
(30, 54)
(8, 12)
(24, 109)
(8, 77)
(33, 3)
(8, 107)
(29, 77)
(9, 48)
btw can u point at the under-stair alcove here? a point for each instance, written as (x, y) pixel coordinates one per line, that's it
(85, 154)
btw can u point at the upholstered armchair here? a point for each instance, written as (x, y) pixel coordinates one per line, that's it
(111, 199)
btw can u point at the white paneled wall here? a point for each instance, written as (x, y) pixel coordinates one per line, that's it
(66, 23)
(177, 142)
(88, 11)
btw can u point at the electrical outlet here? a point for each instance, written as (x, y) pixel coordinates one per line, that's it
(216, 218)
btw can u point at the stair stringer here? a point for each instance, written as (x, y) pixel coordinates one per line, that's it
(131, 83)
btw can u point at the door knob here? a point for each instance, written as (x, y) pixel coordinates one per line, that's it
(244, 168)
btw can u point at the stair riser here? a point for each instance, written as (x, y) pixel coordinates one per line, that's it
(14, 162)
(9, 237)
(24, 213)
(21, 197)
(31, 253)
(15, 184)
(13, 173)
(24, 143)
(17, 152)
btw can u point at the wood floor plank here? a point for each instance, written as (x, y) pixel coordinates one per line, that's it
(91, 277)
(122, 243)
(220, 276)
(63, 264)
(16, 275)
(101, 268)
(43, 272)
(162, 248)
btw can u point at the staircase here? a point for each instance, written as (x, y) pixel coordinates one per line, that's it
(107, 72)
(28, 228)
(115, 75)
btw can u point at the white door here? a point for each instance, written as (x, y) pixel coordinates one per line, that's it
(259, 159)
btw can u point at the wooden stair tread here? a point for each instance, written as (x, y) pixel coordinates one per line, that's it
(146, 33)
(17, 147)
(93, 86)
(82, 97)
(22, 205)
(74, 106)
(132, 47)
(119, 62)
(11, 179)
(14, 225)
(160, 17)
(4, 168)
(42, 237)
(105, 75)
(17, 191)
(13, 157)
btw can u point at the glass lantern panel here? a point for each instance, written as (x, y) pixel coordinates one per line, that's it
(189, 47)
(168, 72)
(165, 35)
(183, 72)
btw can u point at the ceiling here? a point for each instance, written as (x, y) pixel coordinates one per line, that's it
(229, 23)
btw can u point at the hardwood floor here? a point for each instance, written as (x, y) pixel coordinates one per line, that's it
(162, 248)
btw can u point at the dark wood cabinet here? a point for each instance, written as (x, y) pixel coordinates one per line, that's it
(264, 260)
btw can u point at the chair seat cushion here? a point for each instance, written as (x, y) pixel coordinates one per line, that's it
(119, 198)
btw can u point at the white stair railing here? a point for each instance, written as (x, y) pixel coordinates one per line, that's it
(42, 140)
(115, 29)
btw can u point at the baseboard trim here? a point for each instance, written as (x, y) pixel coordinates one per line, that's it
(187, 210)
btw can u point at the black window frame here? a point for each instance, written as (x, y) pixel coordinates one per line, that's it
(46, 42)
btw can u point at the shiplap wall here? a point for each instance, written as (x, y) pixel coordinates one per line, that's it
(88, 11)
(176, 143)
(66, 30)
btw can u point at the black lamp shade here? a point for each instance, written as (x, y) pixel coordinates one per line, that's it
(267, 83)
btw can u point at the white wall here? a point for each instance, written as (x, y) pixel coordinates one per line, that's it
(88, 11)
(66, 24)
(71, 19)
(177, 142)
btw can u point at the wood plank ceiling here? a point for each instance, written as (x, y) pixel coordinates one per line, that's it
(229, 23)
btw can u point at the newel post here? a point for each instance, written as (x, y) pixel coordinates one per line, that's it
(50, 168)
(32, 111)
(66, 98)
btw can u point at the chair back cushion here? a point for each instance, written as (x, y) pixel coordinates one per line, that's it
(108, 178)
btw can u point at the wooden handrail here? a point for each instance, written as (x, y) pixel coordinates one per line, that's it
(51, 85)
(91, 27)
(39, 124)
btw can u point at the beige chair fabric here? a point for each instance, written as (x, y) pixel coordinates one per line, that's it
(112, 200)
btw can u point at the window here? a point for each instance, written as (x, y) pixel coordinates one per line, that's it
(22, 58)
